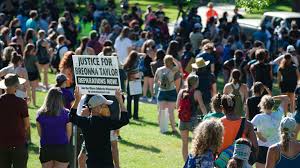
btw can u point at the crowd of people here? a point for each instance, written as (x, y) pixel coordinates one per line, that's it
(238, 126)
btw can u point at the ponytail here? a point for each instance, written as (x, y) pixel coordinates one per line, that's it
(285, 140)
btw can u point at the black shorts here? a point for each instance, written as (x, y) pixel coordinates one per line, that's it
(60, 153)
(262, 155)
(32, 76)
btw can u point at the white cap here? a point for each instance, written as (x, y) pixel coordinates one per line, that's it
(98, 100)
(290, 48)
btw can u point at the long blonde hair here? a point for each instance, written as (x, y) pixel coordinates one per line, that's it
(53, 103)
(207, 135)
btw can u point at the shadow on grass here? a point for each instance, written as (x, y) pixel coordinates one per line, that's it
(141, 147)
(177, 135)
(148, 122)
(33, 125)
(33, 148)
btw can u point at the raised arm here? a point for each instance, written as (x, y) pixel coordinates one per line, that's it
(74, 118)
(124, 120)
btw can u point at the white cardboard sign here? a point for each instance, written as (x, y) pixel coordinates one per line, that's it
(96, 74)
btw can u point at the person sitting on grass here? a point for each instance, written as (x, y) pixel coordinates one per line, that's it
(96, 128)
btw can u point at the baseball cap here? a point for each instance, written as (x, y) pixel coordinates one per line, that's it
(97, 100)
(11, 80)
(60, 78)
(197, 26)
(290, 48)
(288, 124)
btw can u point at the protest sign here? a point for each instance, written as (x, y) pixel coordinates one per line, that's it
(96, 74)
(135, 87)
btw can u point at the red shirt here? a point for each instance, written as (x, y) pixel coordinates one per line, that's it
(12, 110)
(211, 13)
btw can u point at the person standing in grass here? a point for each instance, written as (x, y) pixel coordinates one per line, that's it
(32, 67)
(55, 130)
(216, 107)
(97, 127)
(206, 142)
(61, 82)
(14, 123)
(167, 95)
(196, 103)
(131, 66)
(286, 153)
(267, 125)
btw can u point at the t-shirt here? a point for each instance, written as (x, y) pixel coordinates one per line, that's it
(53, 128)
(171, 76)
(96, 132)
(252, 104)
(68, 97)
(30, 23)
(121, 46)
(42, 53)
(213, 115)
(30, 63)
(205, 160)
(13, 111)
(268, 125)
(62, 50)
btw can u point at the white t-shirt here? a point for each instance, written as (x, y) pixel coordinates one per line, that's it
(121, 47)
(62, 51)
(268, 126)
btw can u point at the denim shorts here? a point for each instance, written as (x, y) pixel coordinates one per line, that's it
(169, 96)
(190, 125)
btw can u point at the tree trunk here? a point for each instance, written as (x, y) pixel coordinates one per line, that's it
(296, 6)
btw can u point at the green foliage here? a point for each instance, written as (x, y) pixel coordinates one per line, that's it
(254, 4)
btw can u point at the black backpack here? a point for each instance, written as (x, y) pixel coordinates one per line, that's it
(56, 58)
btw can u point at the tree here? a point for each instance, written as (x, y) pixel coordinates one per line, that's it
(261, 4)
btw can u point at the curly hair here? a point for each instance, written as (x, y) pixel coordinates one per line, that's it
(207, 135)
(67, 61)
(216, 103)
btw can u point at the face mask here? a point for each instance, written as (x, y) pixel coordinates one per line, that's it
(105, 111)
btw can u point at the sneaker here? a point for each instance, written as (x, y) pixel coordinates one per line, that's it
(143, 99)
(154, 101)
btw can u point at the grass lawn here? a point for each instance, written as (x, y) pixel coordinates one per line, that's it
(142, 143)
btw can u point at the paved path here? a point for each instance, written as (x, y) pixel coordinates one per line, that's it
(220, 8)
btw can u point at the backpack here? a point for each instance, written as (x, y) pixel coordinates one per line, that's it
(55, 60)
(185, 106)
(165, 83)
(238, 107)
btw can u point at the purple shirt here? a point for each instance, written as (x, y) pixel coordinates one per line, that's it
(53, 128)
(68, 97)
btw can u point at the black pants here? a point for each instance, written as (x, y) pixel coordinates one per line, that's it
(135, 106)
(14, 157)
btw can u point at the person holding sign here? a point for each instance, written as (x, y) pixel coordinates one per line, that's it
(134, 87)
(96, 128)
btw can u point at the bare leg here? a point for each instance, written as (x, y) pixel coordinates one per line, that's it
(115, 153)
(34, 85)
(171, 107)
(82, 159)
(145, 87)
(259, 165)
(150, 85)
(60, 164)
(45, 68)
(292, 100)
(49, 164)
(185, 144)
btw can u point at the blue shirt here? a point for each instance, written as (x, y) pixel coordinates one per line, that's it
(30, 23)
